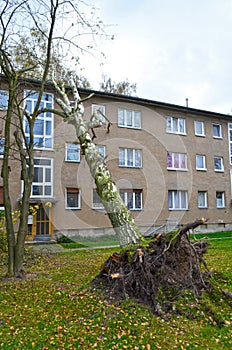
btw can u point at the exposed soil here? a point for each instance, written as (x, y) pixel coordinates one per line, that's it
(158, 272)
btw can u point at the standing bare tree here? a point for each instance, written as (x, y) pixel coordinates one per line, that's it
(121, 88)
(35, 36)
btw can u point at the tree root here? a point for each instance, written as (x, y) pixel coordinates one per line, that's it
(227, 294)
(158, 272)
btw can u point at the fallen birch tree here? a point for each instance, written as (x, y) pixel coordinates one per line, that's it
(119, 215)
(154, 272)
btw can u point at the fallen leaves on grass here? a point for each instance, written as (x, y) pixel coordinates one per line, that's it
(56, 310)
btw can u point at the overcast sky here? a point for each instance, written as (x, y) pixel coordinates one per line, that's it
(172, 49)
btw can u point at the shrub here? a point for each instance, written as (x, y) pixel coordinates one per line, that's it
(64, 239)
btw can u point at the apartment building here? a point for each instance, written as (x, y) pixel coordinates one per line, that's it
(172, 164)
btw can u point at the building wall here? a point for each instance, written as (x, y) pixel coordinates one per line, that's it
(153, 178)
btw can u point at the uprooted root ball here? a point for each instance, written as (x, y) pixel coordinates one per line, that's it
(156, 273)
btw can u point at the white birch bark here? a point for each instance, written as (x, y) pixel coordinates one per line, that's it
(119, 215)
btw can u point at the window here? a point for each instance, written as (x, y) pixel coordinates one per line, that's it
(199, 128)
(217, 131)
(2, 144)
(72, 153)
(230, 141)
(176, 161)
(220, 199)
(129, 157)
(43, 128)
(177, 200)
(202, 199)
(218, 164)
(132, 198)
(175, 125)
(4, 97)
(72, 198)
(102, 150)
(200, 162)
(129, 119)
(97, 202)
(100, 112)
(42, 182)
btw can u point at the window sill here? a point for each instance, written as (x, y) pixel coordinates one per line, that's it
(176, 133)
(141, 209)
(182, 209)
(72, 161)
(41, 149)
(129, 127)
(201, 169)
(177, 169)
(72, 208)
(219, 171)
(131, 167)
(200, 135)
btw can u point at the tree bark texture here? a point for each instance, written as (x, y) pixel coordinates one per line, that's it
(5, 176)
(119, 215)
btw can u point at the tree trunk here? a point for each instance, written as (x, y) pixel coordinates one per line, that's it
(22, 232)
(27, 174)
(6, 187)
(119, 215)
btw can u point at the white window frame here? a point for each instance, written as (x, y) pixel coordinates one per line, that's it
(203, 157)
(129, 119)
(76, 148)
(101, 112)
(131, 202)
(101, 150)
(173, 158)
(43, 184)
(46, 118)
(221, 169)
(96, 204)
(202, 127)
(230, 141)
(220, 131)
(220, 202)
(66, 198)
(4, 98)
(130, 157)
(202, 198)
(2, 146)
(174, 125)
(177, 200)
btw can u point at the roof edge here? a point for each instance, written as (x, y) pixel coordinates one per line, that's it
(133, 99)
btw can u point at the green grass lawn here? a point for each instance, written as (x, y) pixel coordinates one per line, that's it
(90, 242)
(54, 309)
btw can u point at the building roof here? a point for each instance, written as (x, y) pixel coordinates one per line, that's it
(138, 100)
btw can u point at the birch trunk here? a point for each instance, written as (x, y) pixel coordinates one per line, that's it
(119, 215)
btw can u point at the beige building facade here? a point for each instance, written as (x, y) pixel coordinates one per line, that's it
(171, 164)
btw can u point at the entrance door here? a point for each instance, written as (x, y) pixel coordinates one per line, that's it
(40, 225)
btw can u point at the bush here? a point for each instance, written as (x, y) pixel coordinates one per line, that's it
(64, 239)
